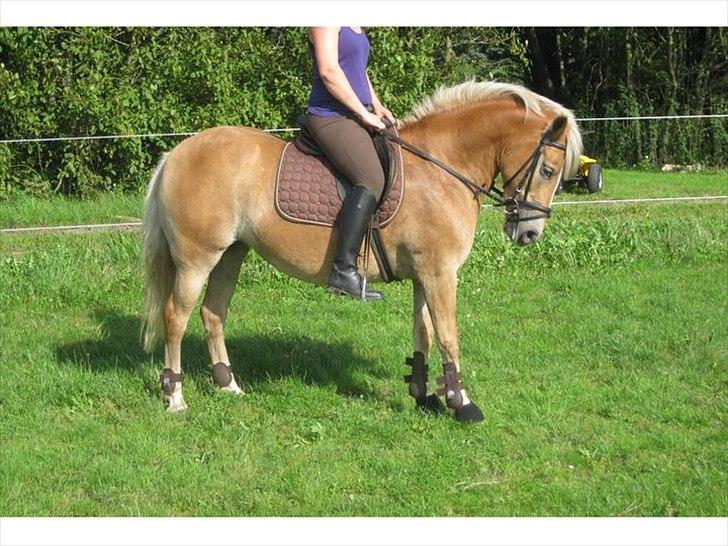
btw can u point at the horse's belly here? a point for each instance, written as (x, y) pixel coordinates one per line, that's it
(301, 251)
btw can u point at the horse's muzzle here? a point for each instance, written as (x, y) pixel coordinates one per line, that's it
(527, 237)
(524, 233)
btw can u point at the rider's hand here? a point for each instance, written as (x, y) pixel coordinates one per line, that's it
(382, 112)
(372, 121)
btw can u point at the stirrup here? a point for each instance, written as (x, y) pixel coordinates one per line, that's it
(351, 284)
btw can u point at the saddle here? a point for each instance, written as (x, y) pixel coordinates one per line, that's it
(309, 189)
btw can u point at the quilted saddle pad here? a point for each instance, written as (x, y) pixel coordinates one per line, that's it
(307, 192)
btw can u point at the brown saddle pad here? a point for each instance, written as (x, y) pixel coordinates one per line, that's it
(307, 192)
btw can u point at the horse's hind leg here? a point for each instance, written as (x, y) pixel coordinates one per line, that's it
(214, 310)
(187, 287)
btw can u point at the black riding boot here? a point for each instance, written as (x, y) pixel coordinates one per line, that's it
(358, 208)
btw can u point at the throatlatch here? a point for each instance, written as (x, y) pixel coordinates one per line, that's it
(221, 374)
(418, 384)
(168, 379)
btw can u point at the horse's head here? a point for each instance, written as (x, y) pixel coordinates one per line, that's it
(532, 170)
(529, 139)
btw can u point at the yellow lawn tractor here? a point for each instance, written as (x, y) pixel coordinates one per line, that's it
(589, 176)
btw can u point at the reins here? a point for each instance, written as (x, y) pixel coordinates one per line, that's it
(519, 200)
(477, 188)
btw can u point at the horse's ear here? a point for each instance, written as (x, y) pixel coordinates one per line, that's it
(557, 127)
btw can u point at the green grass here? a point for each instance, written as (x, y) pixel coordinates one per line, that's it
(628, 184)
(23, 211)
(599, 357)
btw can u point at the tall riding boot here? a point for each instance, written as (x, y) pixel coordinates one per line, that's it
(359, 205)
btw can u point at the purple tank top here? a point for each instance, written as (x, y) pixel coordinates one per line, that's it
(353, 60)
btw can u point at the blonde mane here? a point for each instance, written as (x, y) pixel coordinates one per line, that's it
(449, 98)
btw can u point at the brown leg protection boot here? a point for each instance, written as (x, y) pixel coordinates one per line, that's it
(418, 385)
(454, 392)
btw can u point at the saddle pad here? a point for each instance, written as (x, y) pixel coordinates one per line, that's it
(306, 190)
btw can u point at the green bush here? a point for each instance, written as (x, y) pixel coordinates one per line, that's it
(96, 81)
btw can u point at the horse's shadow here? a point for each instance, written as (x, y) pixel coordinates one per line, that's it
(257, 360)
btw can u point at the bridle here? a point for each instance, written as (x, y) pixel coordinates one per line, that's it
(520, 196)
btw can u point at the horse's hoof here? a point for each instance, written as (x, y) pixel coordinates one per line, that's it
(431, 404)
(175, 403)
(177, 408)
(233, 388)
(469, 413)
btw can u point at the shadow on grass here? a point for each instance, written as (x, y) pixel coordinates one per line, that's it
(256, 359)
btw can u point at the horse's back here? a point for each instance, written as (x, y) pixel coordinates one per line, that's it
(224, 147)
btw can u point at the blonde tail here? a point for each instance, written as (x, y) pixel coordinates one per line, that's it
(158, 263)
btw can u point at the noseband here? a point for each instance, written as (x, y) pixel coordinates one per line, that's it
(520, 196)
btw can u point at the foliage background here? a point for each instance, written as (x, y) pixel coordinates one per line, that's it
(92, 81)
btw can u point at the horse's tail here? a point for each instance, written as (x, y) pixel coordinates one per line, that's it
(158, 263)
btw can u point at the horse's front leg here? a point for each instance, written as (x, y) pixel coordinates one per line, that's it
(422, 333)
(440, 295)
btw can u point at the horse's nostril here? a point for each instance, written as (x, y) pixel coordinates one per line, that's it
(527, 237)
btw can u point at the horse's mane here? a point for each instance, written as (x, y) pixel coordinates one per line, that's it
(449, 98)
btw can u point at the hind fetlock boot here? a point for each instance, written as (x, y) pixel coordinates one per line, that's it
(359, 205)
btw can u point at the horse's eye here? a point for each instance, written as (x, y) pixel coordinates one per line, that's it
(547, 171)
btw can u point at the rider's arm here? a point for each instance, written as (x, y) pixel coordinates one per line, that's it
(379, 109)
(325, 42)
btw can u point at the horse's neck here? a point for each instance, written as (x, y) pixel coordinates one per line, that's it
(466, 139)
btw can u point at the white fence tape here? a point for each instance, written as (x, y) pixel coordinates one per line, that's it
(694, 116)
(291, 129)
(112, 137)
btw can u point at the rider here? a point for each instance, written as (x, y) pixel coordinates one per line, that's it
(343, 108)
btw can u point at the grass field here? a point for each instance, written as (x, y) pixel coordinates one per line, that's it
(115, 207)
(599, 356)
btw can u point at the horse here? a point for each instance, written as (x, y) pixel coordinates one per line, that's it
(211, 200)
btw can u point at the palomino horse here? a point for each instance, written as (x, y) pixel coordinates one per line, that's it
(211, 200)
